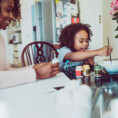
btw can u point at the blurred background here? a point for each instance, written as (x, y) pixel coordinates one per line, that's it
(42, 20)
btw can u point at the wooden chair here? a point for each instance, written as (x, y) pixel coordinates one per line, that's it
(37, 52)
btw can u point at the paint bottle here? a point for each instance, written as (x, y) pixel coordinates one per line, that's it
(98, 71)
(86, 70)
(98, 81)
(79, 72)
(87, 80)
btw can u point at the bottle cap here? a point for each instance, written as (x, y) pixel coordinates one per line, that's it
(97, 67)
(86, 67)
(55, 60)
(79, 68)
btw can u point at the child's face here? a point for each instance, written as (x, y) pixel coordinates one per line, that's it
(81, 41)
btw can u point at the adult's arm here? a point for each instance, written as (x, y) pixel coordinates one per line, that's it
(28, 74)
(16, 77)
(12, 77)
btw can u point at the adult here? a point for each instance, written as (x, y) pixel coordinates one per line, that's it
(10, 13)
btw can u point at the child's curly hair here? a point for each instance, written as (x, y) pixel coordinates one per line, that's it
(68, 34)
(16, 10)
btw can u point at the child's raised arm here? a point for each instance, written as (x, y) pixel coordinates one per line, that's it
(82, 55)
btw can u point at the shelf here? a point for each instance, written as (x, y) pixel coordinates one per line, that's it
(17, 30)
(17, 43)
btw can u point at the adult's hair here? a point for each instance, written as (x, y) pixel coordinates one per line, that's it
(16, 10)
(68, 34)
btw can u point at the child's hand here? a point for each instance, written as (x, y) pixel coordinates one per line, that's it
(105, 51)
(89, 61)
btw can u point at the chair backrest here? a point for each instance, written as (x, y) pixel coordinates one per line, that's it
(37, 52)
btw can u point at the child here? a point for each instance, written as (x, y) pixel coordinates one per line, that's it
(74, 42)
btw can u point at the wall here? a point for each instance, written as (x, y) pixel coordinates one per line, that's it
(115, 40)
(112, 27)
(14, 51)
(109, 26)
(89, 13)
(47, 21)
(26, 22)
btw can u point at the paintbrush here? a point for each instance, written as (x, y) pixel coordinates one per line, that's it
(108, 45)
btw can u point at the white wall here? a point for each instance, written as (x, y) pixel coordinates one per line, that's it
(47, 20)
(109, 26)
(112, 27)
(115, 40)
(89, 13)
(107, 21)
(26, 22)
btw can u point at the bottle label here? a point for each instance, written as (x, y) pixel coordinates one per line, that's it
(98, 73)
(78, 73)
(87, 72)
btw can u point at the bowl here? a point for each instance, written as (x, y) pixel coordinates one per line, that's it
(110, 66)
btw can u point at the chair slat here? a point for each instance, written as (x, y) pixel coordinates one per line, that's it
(38, 51)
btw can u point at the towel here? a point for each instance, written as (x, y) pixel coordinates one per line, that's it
(113, 112)
(4, 113)
(74, 101)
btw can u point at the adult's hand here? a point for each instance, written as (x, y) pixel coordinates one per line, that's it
(46, 70)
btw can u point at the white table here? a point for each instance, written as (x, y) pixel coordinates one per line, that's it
(33, 100)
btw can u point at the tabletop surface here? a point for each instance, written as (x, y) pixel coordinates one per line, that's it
(38, 99)
(32, 100)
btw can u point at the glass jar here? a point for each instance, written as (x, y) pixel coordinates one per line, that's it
(98, 71)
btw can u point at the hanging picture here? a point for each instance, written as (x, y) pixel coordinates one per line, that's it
(67, 12)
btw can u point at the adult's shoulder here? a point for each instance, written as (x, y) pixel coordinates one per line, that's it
(2, 41)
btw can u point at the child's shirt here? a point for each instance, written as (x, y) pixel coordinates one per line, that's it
(63, 51)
